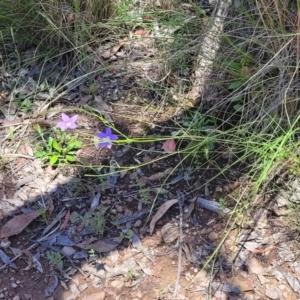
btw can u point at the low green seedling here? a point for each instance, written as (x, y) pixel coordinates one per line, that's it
(201, 128)
(55, 260)
(97, 222)
(131, 275)
(60, 149)
(26, 105)
(92, 255)
(126, 234)
(239, 72)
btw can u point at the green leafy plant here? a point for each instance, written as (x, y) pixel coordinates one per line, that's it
(55, 260)
(93, 256)
(130, 275)
(60, 149)
(201, 136)
(26, 105)
(97, 222)
(127, 233)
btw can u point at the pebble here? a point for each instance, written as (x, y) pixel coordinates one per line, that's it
(273, 293)
(219, 295)
(5, 243)
(68, 251)
(136, 294)
(138, 223)
(117, 284)
(16, 298)
(23, 196)
(119, 208)
(27, 296)
(213, 236)
(14, 285)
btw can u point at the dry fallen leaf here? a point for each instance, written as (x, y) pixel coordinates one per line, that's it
(169, 146)
(160, 212)
(86, 244)
(255, 266)
(113, 50)
(160, 175)
(102, 105)
(18, 223)
(106, 244)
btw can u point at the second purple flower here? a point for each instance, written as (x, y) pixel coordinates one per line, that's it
(106, 138)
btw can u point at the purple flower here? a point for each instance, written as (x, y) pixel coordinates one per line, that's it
(106, 138)
(67, 122)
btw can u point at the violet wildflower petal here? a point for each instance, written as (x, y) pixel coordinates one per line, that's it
(106, 138)
(71, 123)
(62, 125)
(108, 131)
(105, 144)
(67, 122)
(65, 118)
(101, 135)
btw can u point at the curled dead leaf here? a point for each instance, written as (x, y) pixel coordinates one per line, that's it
(160, 212)
(18, 223)
(160, 175)
(106, 244)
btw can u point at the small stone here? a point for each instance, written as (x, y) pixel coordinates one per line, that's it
(117, 284)
(16, 298)
(80, 255)
(138, 223)
(5, 243)
(14, 285)
(83, 287)
(136, 294)
(23, 196)
(27, 296)
(213, 236)
(68, 251)
(119, 208)
(273, 292)
(219, 295)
